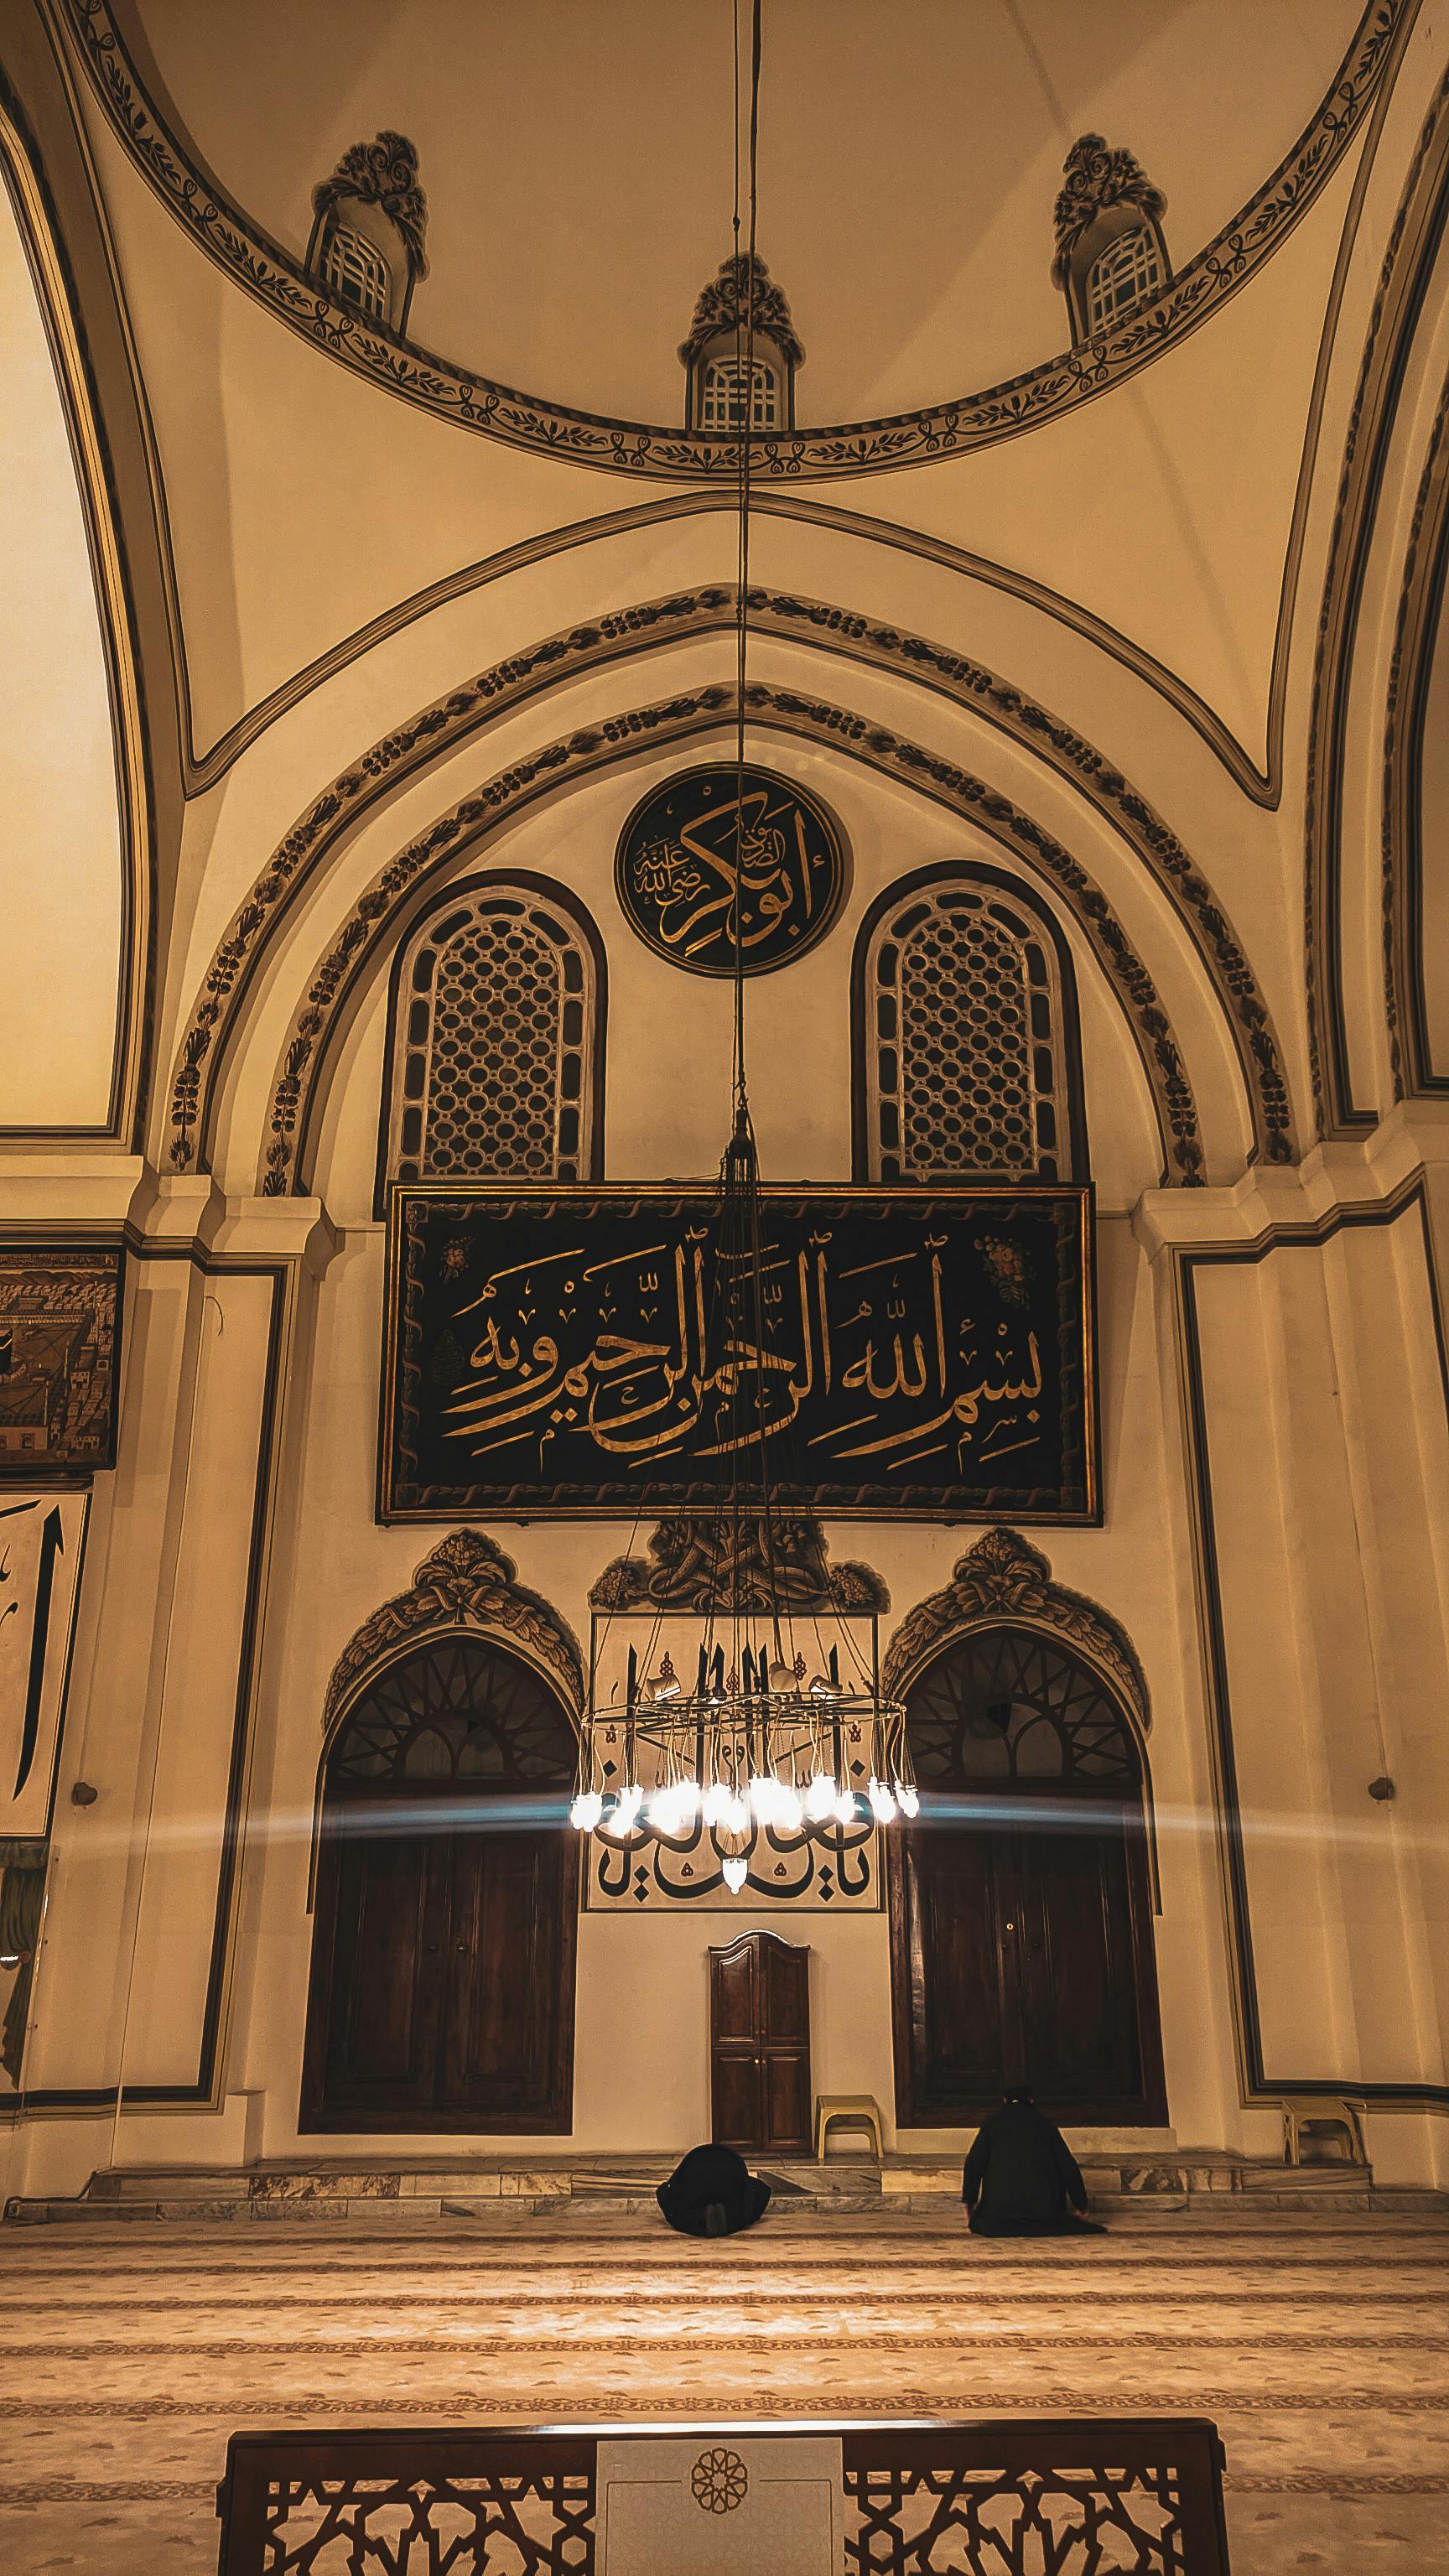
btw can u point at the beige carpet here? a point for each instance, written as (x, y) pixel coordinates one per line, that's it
(128, 2352)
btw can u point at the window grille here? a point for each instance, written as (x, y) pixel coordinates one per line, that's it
(964, 1075)
(355, 271)
(1007, 1705)
(493, 1044)
(722, 400)
(455, 1709)
(1124, 274)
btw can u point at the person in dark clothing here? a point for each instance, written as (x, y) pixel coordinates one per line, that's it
(1022, 2179)
(713, 2193)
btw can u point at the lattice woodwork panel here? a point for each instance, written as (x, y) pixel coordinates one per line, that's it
(965, 1042)
(1009, 1705)
(492, 1059)
(955, 2521)
(457, 1709)
(533, 2523)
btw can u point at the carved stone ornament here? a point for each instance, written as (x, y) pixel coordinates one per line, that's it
(465, 1582)
(1004, 1582)
(382, 173)
(724, 305)
(1097, 178)
(700, 1563)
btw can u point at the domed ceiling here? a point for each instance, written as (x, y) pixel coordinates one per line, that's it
(577, 161)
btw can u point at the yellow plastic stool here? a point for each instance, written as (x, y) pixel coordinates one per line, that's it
(849, 2111)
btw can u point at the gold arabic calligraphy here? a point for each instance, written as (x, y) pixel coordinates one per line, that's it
(764, 854)
(619, 1354)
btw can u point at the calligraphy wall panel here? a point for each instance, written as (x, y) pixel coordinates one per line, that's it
(41, 1539)
(921, 1354)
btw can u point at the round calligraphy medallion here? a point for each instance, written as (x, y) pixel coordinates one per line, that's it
(686, 856)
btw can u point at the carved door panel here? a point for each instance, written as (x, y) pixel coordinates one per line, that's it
(1077, 1970)
(1029, 1961)
(376, 1984)
(760, 2045)
(504, 1990)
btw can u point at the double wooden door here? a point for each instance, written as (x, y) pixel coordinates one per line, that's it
(1027, 1959)
(442, 1973)
(759, 2012)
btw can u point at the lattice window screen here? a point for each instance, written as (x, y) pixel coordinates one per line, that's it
(493, 1052)
(724, 388)
(356, 271)
(1124, 274)
(964, 1060)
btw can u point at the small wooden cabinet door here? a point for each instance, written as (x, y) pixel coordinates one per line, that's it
(760, 2045)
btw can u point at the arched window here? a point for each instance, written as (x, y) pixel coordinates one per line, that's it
(1124, 274)
(722, 401)
(967, 1063)
(356, 271)
(496, 1038)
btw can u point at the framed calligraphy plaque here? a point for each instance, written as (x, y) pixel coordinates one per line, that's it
(42, 1538)
(678, 881)
(562, 1351)
(60, 1338)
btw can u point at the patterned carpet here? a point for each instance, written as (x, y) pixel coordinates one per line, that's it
(128, 2352)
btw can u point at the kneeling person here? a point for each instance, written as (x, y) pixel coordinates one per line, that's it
(713, 2193)
(1021, 2178)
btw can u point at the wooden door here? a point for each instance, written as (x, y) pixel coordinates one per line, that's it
(1029, 1963)
(760, 2045)
(442, 1991)
(382, 1919)
(504, 2026)
(1021, 1917)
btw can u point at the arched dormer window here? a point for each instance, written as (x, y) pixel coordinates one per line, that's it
(967, 1059)
(357, 272)
(495, 1039)
(1124, 274)
(740, 338)
(722, 396)
(369, 220)
(1111, 253)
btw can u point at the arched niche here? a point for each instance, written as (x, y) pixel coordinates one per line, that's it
(1021, 1896)
(446, 1887)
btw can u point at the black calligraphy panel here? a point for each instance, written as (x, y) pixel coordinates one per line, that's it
(919, 1354)
(696, 850)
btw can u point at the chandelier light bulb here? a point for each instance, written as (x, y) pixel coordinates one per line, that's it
(820, 1798)
(907, 1798)
(845, 1807)
(736, 1816)
(790, 1812)
(631, 1800)
(586, 1811)
(883, 1805)
(735, 1874)
(764, 1796)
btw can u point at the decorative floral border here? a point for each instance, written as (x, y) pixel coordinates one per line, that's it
(632, 447)
(452, 719)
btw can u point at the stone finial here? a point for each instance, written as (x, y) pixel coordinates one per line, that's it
(1097, 178)
(382, 173)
